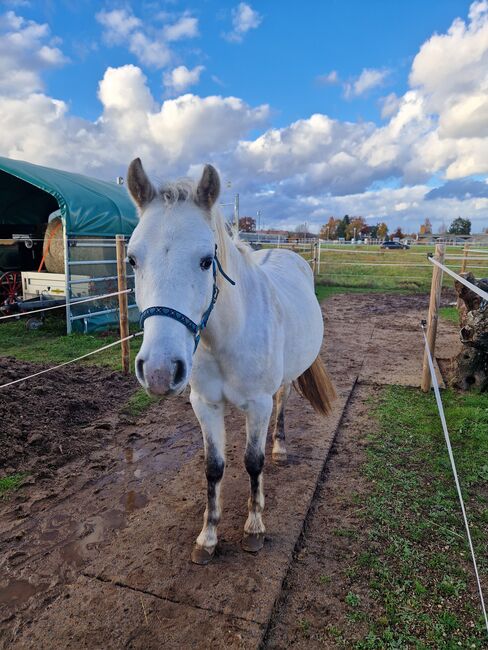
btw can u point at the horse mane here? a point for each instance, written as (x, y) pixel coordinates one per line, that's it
(184, 190)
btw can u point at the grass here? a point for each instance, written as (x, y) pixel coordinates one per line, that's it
(347, 267)
(138, 403)
(51, 345)
(10, 483)
(415, 563)
(449, 313)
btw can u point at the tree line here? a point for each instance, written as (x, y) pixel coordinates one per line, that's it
(356, 228)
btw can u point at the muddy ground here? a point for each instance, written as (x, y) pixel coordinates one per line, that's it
(44, 421)
(96, 553)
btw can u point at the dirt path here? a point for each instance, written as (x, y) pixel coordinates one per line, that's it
(97, 554)
(314, 596)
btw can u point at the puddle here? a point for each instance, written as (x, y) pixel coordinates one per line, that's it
(157, 458)
(133, 501)
(17, 592)
(90, 534)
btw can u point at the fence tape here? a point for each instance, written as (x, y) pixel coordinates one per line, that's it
(67, 363)
(63, 306)
(454, 470)
(470, 285)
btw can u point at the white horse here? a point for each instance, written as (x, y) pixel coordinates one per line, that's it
(264, 332)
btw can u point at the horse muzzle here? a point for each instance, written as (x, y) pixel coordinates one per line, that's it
(162, 377)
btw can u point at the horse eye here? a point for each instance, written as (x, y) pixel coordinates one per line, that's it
(131, 261)
(205, 263)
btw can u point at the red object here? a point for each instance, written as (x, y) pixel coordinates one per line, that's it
(10, 286)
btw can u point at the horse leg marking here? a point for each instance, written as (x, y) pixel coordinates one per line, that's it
(257, 425)
(279, 449)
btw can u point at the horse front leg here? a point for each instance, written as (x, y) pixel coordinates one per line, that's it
(211, 418)
(257, 420)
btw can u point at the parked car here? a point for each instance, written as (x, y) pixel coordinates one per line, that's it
(394, 245)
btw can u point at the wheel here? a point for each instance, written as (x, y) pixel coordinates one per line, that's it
(33, 323)
(10, 287)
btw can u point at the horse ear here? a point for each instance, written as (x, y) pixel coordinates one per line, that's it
(208, 189)
(140, 187)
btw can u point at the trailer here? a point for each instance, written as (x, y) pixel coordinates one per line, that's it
(57, 242)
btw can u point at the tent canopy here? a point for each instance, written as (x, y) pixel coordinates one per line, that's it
(89, 207)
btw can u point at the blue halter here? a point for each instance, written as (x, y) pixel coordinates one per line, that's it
(195, 329)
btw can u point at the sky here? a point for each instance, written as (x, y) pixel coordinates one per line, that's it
(308, 110)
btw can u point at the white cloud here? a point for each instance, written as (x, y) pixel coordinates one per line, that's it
(181, 78)
(26, 50)
(148, 44)
(119, 25)
(389, 105)
(330, 78)
(169, 136)
(244, 18)
(185, 27)
(368, 79)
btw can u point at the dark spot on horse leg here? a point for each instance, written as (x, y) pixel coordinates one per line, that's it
(254, 462)
(214, 470)
(279, 432)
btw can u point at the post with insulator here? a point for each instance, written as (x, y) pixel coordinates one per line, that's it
(433, 317)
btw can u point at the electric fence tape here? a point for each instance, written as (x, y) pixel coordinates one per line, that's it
(66, 363)
(453, 465)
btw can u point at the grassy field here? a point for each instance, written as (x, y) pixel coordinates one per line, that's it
(51, 345)
(416, 562)
(349, 266)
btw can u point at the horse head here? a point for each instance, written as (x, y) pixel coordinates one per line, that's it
(172, 251)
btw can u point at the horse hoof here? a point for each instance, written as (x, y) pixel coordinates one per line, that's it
(201, 556)
(252, 542)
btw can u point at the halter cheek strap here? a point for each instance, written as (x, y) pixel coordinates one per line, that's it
(195, 329)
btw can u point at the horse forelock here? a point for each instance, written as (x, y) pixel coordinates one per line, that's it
(181, 191)
(184, 190)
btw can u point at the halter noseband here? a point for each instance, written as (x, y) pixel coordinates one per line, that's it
(195, 329)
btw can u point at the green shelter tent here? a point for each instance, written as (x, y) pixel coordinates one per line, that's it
(92, 212)
(89, 207)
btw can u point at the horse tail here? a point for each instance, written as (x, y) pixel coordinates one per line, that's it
(316, 385)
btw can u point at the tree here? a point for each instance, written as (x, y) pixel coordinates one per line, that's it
(373, 232)
(329, 230)
(354, 227)
(460, 226)
(382, 230)
(398, 233)
(302, 229)
(247, 224)
(342, 227)
(426, 228)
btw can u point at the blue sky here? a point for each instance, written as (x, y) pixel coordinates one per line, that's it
(309, 109)
(278, 63)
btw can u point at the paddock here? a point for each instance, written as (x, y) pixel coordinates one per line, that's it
(85, 567)
(104, 475)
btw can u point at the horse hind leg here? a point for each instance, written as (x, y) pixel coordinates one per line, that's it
(279, 454)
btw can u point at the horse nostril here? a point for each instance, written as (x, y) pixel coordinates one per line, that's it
(140, 368)
(179, 372)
